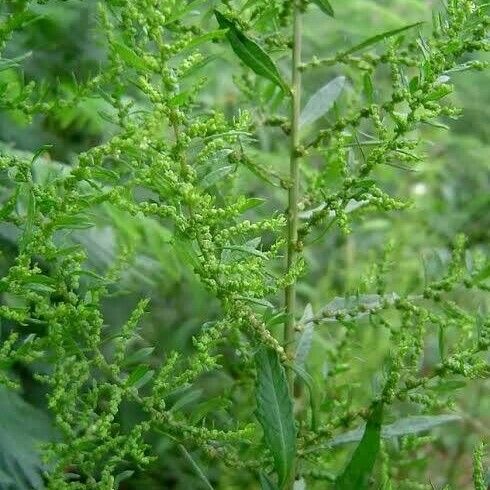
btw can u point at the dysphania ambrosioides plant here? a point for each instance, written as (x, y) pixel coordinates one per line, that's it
(174, 160)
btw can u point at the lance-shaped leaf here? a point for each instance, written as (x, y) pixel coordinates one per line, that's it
(322, 101)
(266, 483)
(314, 393)
(215, 176)
(129, 56)
(324, 6)
(306, 338)
(250, 52)
(378, 38)
(275, 412)
(356, 306)
(184, 11)
(402, 427)
(359, 469)
(200, 473)
(22, 429)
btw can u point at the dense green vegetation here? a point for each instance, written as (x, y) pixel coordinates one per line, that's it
(244, 244)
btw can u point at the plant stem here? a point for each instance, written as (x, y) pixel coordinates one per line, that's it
(292, 214)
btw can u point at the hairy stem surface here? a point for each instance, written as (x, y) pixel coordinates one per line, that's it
(292, 252)
(290, 300)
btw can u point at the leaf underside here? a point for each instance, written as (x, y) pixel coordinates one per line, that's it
(275, 412)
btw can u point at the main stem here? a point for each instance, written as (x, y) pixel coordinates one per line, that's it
(290, 292)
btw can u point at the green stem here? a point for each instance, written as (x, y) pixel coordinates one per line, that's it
(292, 252)
(292, 214)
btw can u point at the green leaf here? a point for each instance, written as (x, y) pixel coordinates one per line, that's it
(30, 213)
(139, 377)
(208, 36)
(379, 37)
(212, 405)
(180, 99)
(39, 152)
(199, 66)
(75, 222)
(246, 250)
(22, 429)
(138, 356)
(185, 400)
(215, 176)
(120, 477)
(356, 306)
(368, 87)
(304, 342)
(359, 469)
(266, 483)
(484, 273)
(257, 301)
(449, 385)
(129, 56)
(183, 12)
(275, 412)
(196, 467)
(402, 427)
(441, 342)
(250, 52)
(322, 101)
(264, 174)
(416, 424)
(250, 203)
(324, 6)
(440, 92)
(6, 64)
(313, 391)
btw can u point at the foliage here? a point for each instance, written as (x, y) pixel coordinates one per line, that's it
(151, 228)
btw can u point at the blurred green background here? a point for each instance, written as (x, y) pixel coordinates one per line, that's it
(450, 191)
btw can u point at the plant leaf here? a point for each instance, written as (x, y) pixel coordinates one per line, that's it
(368, 302)
(359, 469)
(124, 475)
(208, 36)
(215, 176)
(187, 399)
(181, 13)
(196, 467)
(483, 273)
(138, 356)
(325, 6)
(379, 37)
(250, 203)
(322, 101)
(250, 52)
(22, 428)
(266, 483)
(416, 424)
(401, 427)
(246, 250)
(275, 412)
(129, 56)
(30, 214)
(313, 391)
(304, 342)
(140, 376)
